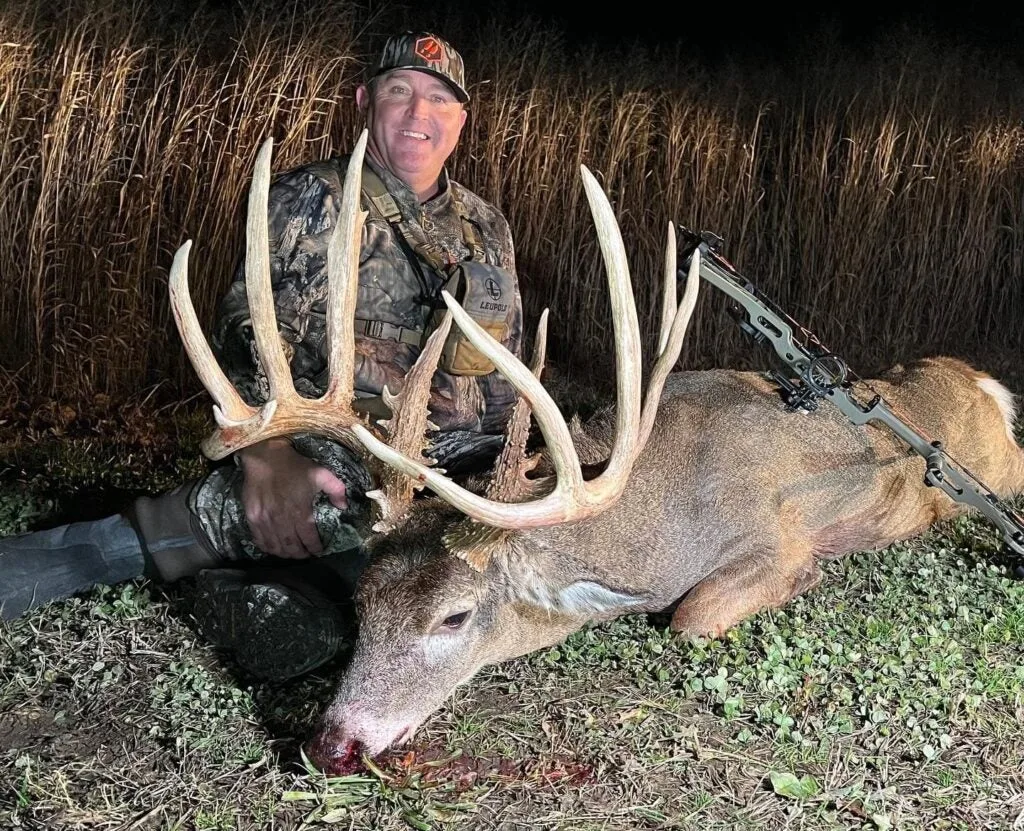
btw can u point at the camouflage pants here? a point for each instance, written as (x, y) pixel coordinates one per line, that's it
(215, 501)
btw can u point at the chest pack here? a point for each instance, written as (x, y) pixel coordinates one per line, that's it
(485, 291)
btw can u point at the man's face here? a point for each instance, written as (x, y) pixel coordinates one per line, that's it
(414, 120)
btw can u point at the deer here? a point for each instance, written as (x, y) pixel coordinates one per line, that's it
(701, 495)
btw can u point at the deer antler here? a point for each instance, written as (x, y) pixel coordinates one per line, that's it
(674, 321)
(240, 425)
(509, 482)
(572, 498)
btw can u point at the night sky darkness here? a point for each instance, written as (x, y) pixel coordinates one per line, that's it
(773, 30)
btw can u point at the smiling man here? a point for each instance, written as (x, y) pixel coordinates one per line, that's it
(303, 498)
(414, 113)
(424, 232)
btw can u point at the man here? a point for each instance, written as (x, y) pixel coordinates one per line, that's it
(303, 497)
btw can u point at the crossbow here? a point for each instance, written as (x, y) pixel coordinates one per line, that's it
(812, 373)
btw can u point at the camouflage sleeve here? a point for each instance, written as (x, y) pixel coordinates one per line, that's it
(301, 214)
(303, 208)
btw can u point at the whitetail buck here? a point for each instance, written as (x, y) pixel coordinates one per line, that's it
(713, 494)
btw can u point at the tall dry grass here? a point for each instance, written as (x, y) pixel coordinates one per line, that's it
(875, 195)
(120, 143)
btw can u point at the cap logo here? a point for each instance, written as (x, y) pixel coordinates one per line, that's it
(427, 52)
(429, 49)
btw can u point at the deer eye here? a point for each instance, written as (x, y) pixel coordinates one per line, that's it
(455, 621)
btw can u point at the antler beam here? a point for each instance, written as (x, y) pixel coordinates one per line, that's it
(572, 498)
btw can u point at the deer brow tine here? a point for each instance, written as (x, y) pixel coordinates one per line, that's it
(410, 408)
(511, 467)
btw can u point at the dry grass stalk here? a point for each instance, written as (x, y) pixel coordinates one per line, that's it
(875, 198)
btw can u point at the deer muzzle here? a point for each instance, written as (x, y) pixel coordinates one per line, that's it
(351, 730)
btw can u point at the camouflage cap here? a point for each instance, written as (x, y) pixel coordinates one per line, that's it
(427, 53)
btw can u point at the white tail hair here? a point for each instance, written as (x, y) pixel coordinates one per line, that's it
(1005, 400)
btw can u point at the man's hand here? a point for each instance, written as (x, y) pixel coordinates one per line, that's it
(278, 490)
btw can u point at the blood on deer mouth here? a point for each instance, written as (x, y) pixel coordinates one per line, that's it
(342, 759)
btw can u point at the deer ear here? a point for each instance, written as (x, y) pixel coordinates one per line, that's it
(480, 545)
(528, 581)
(587, 596)
(579, 598)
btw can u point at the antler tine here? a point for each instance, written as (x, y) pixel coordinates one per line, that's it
(407, 429)
(509, 483)
(258, 289)
(627, 341)
(228, 405)
(343, 285)
(668, 296)
(540, 345)
(571, 498)
(286, 412)
(674, 322)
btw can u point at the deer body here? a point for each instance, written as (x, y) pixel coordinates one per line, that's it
(732, 479)
(729, 508)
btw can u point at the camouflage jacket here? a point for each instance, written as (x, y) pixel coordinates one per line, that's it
(303, 207)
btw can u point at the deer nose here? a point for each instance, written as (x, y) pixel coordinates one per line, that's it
(335, 754)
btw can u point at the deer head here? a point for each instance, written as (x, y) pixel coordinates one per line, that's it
(460, 579)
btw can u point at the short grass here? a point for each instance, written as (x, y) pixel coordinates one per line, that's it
(891, 697)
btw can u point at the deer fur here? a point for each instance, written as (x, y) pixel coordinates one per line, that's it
(729, 511)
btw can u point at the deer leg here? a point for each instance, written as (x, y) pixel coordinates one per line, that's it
(741, 589)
